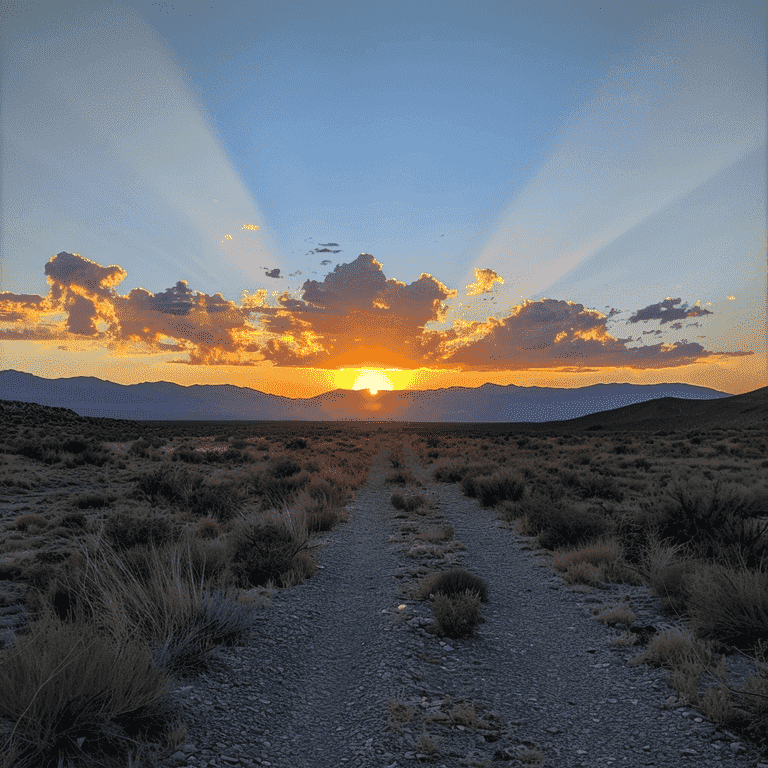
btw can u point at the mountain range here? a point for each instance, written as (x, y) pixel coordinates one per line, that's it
(90, 396)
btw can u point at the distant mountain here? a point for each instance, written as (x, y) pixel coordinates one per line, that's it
(89, 396)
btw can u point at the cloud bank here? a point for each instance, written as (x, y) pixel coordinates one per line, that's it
(355, 316)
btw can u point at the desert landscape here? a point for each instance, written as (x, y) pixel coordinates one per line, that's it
(156, 542)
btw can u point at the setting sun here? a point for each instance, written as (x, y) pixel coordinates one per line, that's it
(373, 381)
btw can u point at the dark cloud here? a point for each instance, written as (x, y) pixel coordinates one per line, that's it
(322, 250)
(355, 316)
(666, 311)
(325, 262)
(329, 245)
(613, 312)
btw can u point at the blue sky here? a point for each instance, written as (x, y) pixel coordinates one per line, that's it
(601, 153)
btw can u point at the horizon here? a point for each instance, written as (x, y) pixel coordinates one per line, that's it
(556, 197)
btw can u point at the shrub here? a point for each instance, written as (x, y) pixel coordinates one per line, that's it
(457, 615)
(141, 447)
(557, 525)
(595, 554)
(492, 490)
(277, 491)
(92, 501)
(262, 552)
(729, 604)
(284, 467)
(218, 620)
(670, 648)
(75, 520)
(125, 530)
(296, 444)
(669, 576)
(712, 520)
(208, 528)
(69, 686)
(407, 504)
(30, 520)
(402, 477)
(582, 573)
(457, 581)
(180, 487)
(396, 456)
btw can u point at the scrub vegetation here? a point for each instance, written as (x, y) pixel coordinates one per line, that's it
(145, 545)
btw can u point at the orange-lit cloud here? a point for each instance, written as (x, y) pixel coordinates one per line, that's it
(354, 317)
(484, 280)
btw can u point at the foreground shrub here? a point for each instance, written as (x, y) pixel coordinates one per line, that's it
(456, 615)
(755, 702)
(71, 692)
(597, 554)
(124, 529)
(407, 504)
(218, 620)
(457, 581)
(669, 574)
(557, 524)
(492, 490)
(190, 490)
(729, 604)
(262, 552)
(402, 477)
(713, 520)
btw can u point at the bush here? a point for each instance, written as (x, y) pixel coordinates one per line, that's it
(729, 605)
(219, 620)
(458, 581)
(558, 525)
(492, 490)
(296, 444)
(141, 447)
(285, 467)
(402, 477)
(409, 504)
(456, 616)
(75, 520)
(69, 686)
(92, 501)
(125, 530)
(277, 491)
(262, 552)
(190, 490)
(713, 520)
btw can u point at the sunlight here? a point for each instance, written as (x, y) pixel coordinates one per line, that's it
(372, 380)
(621, 157)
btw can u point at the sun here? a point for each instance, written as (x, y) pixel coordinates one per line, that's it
(372, 380)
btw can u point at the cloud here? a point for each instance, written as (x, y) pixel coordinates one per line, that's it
(249, 226)
(355, 316)
(325, 262)
(666, 311)
(484, 280)
(273, 273)
(329, 245)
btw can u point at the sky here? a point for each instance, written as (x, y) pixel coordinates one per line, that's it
(297, 197)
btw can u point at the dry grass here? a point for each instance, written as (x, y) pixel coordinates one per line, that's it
(596, 554)
(614, 615)
(583, 573)
(671, 648)
(436, 535)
